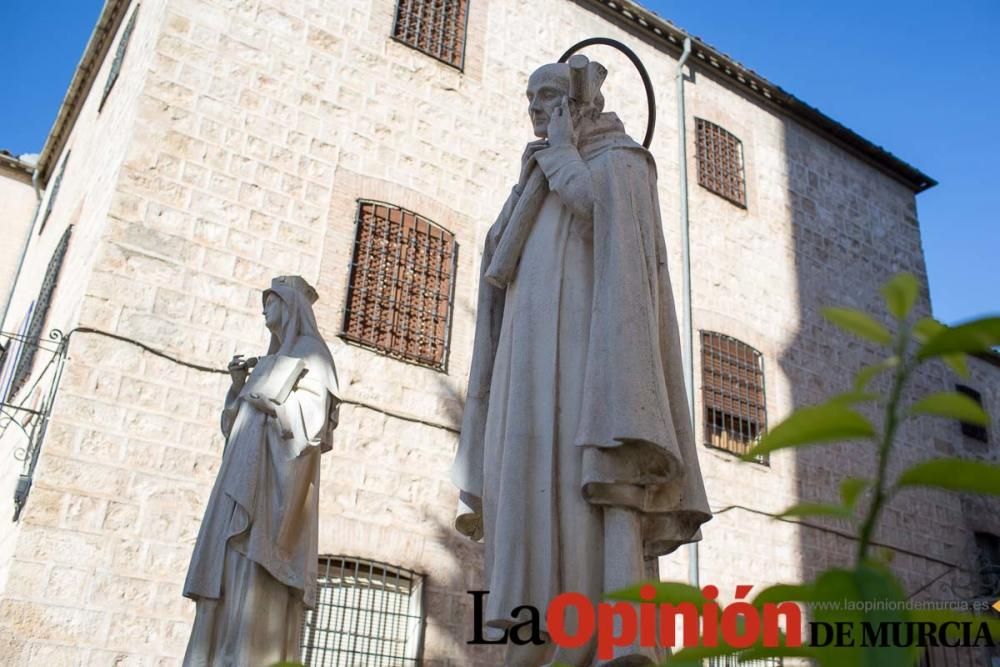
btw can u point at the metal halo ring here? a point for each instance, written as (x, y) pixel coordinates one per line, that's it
(646, 82)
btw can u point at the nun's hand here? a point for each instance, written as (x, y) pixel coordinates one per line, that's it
(262, 404)
(238, 371)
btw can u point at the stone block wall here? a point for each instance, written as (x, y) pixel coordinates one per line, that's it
(244, 134)
(17, 206)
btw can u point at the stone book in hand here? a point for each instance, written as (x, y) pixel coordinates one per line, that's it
(273, 378)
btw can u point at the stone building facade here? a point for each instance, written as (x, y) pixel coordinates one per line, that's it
(17, 205)
(208, 145)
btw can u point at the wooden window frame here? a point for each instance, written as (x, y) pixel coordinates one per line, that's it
(734, 395)
(401, 288)
(721, 162)
(405, 32)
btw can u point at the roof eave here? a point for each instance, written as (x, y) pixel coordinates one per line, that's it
(83, 79)
(634, 16)
(12, 162)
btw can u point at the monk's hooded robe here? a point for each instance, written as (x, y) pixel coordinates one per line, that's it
(249, 593)
(576, 396)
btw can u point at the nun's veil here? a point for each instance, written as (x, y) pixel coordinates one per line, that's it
(300, 335)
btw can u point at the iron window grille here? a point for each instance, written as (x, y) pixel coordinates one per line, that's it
(15, 343)
(33, 335)
(988, 557)
(367, 614)
(401, 291)
(54, 193)
(434, 27)
(733, 398)
(974, 431)
(734, 661)
(720, 162)
(950, 656)
(116, 64)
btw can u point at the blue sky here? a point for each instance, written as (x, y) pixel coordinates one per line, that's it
(914, 76)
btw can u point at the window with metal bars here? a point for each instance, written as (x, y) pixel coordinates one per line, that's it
(367, 614)
(116, 64)
(435, 27)
(54, 193)
(22, 370)
(402, 284)
(720, 162)
(734, 661)
(732, 391)
(974, 431)
(988, 557)
(950, 656)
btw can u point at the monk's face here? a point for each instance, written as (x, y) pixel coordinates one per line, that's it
(546, 88)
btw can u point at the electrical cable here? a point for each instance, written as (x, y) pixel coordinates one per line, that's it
(207, 369)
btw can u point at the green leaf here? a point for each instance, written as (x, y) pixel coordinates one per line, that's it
(953, 405)
(668, 592)
(817, 509)
(851, 489)
(958, 363)
(900, 294)
(812, 425)
(976, 336)
(858, 323)
(868, 373)
(778, 593)
(926, 328)
(954, 475)
(868, 583)
(852, 397)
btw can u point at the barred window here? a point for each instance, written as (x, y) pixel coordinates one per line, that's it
(953, 656)
(974, 431)
(367, 614)
(735, 661)
(22, 370)
(116, 64)
(54, 192)
(720, 162)
(988, 561)
(436, 27)
(402, 283)
(15, 345)
(732, 375)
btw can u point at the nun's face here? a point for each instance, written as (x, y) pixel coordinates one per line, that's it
(274, 312)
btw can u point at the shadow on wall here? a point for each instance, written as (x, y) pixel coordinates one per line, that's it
(852, 229)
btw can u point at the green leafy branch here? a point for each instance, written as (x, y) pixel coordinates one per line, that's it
(907, 346)
(910, 346)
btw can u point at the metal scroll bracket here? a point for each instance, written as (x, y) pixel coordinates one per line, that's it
(30, 409)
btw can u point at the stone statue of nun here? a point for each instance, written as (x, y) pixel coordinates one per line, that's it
(254, 565)
(576, 459)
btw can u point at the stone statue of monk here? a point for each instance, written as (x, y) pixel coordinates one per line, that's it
(576, 459)
(254, 565)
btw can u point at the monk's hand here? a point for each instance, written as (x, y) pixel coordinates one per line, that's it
(526, 162)
(561, 125)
